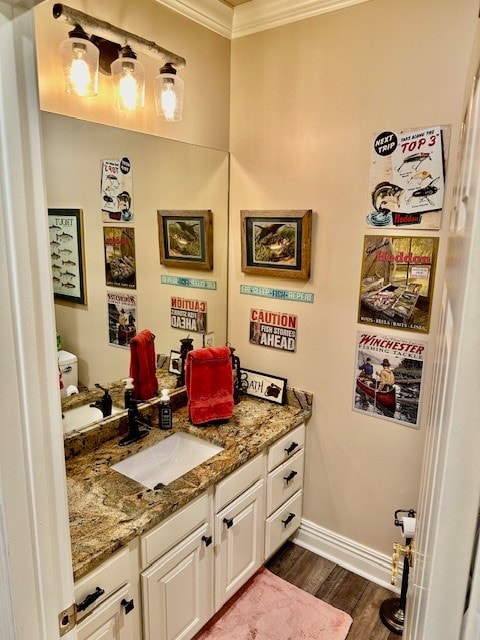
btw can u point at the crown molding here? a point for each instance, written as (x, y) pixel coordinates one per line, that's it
(213, 15)
(260, 15)
(254, 16)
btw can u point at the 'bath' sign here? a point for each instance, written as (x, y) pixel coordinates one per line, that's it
(189, 315)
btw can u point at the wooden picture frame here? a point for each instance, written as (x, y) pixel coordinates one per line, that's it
(186, 239)
(277, 243)
(67, 255)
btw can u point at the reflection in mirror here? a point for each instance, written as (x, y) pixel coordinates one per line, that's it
(166, 175)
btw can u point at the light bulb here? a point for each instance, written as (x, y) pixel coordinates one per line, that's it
(80, 76)
(80, 64)
(169, 94)
(128, 81)
(128, 91)
(169, 103)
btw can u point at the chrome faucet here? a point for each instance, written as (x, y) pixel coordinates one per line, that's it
(105, 403)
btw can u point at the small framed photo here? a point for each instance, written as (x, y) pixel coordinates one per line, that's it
(277, 243)
(263, 385)
(174, 365)
(186, 239)
(67, 255)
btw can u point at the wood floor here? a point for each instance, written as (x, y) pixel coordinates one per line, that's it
(339, 587)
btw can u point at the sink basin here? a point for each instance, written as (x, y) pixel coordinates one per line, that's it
(83, 417)
(167, 460)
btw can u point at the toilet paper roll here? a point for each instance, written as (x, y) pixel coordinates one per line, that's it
(72, 390)
(408, 527)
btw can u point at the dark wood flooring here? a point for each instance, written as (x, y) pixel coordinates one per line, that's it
(340, 588)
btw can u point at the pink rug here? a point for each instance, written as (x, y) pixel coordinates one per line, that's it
(269, 608)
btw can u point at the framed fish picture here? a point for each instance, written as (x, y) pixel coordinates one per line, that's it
(186, 239)
(277, 243)
(67, 255)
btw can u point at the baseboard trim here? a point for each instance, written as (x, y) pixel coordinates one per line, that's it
(347, 553)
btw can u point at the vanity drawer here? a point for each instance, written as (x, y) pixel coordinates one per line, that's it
(283, 523)
(108, 577)
(286, 447)
(176, 527)
(238, 482)
(284, 481)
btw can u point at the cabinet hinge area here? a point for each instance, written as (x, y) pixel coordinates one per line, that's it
(67, 619)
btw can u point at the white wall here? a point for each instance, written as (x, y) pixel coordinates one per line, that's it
(306, 100)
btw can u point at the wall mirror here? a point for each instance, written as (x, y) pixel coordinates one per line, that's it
(167, 175)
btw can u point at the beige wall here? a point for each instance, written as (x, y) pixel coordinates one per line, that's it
(306, 99)
(206, 74)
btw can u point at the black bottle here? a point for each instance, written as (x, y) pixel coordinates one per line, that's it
(165, 411)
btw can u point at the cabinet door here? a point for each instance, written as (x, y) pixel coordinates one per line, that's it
(110, 620)
(239, 542)
(177, 589)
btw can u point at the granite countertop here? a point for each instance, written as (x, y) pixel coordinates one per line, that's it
(108, 510)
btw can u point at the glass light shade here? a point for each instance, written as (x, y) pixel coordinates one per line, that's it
(169, 95)
(80, 66)
(128, 77)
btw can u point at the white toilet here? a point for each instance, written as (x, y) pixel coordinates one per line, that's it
(68, 366)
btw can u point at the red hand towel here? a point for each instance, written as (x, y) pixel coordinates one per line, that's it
(209, 383)
(143, 368)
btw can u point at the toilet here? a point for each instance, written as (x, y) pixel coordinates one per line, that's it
(68, 366)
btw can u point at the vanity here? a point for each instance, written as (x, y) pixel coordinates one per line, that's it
(158, 564)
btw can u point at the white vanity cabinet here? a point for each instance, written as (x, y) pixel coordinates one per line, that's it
(285, 462)
(107, 602)
(177, 588)
(239, 528)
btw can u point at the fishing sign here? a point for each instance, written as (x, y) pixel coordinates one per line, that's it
(407, 178)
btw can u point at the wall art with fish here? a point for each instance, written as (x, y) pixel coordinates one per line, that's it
(67, 254)
(407, 178)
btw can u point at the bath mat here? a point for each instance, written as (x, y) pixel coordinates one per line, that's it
(269, 608)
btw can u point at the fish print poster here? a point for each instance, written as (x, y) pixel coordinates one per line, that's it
(396, 286)
(389, 377)
(407, 178)
(66, 254)
(116, 190)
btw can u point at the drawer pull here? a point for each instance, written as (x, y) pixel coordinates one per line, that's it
(207, 540)
(90, 599)
(228, 522)
(288, 519)
(290, 476)
(292, 447)
(127, 605)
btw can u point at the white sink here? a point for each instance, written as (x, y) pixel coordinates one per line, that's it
(167, 460)
(83, 416)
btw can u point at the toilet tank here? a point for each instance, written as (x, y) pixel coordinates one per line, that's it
(68, 366)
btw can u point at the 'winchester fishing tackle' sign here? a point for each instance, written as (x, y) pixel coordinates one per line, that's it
(407, 178)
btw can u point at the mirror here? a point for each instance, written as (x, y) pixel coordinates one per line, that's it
(167, 176)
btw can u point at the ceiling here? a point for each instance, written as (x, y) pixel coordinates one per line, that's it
(234, 3)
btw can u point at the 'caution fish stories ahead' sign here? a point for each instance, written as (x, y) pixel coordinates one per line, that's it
(189, 315)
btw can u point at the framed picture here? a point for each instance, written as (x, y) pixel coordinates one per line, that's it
(174, 363)
(277, 243)
(263, 385)
(66, 253)
(186, 239)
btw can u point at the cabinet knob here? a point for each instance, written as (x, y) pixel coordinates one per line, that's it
(288, 519)
(128, 605)
(228, 522)
(290, 476)
(90, 599)
(292, 447)
(207, 540)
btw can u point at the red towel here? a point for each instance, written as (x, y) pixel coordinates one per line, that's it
(143, 366)
(209, 383)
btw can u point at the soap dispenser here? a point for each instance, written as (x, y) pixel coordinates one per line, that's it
(129, 393)
(165, 411)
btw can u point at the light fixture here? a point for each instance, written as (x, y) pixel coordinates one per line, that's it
(80, 63)
(128, 77)
(169, 94)
(127, 72)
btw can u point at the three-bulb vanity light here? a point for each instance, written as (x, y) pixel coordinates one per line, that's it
(83, 56)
